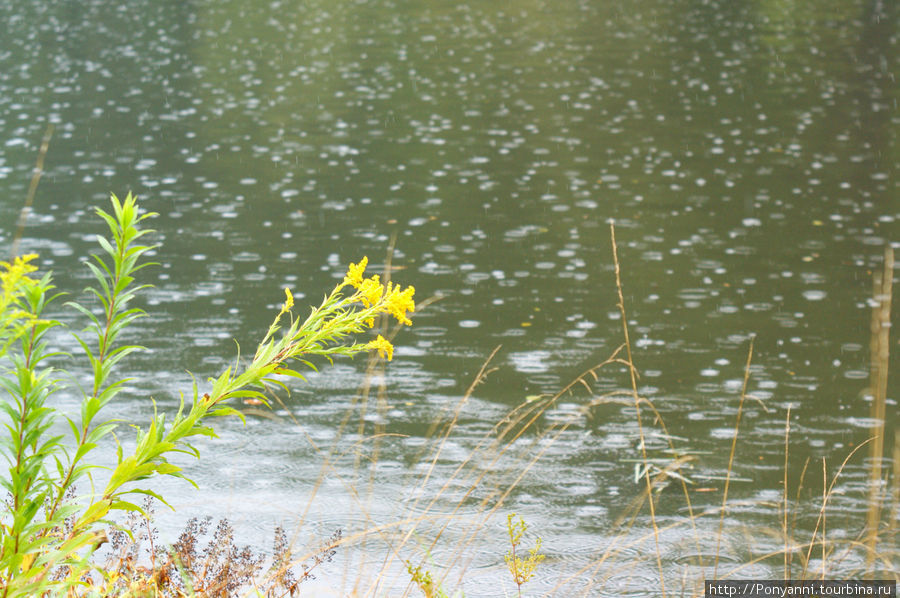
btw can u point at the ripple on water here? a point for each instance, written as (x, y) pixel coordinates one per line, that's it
(388, 124)
(429, 331)
(530, 362)
(814, 295)
(722, 433)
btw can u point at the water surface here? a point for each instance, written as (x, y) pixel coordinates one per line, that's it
(747, 153)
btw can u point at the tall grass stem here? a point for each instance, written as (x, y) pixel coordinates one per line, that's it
(637, 405)
(32, 191)
(734, 438)
(879, 345)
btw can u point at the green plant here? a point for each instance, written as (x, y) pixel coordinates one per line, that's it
(57, 510)
(521, 569)
(424, 581)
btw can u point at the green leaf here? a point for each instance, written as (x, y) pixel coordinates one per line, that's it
(149, 493)
(122, 505)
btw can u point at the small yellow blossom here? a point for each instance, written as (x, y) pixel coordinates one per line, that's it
(16, 271)
(288, 301)
(371, 291)
(354, 276)
(383, 346)
(14, 277)
(14, 281)
(399, 302)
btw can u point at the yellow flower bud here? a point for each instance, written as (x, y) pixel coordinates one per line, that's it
(399, 302)
(371, 291)
(354, 276)
(383, 346)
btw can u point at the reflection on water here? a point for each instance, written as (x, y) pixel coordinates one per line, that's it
(747, 152)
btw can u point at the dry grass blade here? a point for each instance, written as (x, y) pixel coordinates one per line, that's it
(637, 406)
(484, 459)
(880, 352)
(32, 190)
(826, 496)
(737, 426)
(895, 492)
(784, 520)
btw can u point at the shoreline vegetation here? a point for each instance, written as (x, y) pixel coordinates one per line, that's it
(59, 527)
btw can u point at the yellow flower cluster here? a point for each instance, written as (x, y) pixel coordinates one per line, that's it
(399, 302)
(383, 346)
(354, 275)
(13, 277)
(340, 315)
(14, 280)
(371, 291)
(17, 271)
(389, 299)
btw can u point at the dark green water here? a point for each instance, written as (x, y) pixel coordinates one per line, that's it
(747, 152)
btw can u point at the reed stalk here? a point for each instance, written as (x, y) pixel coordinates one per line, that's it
(637, 405)
(788, 551)
(880, 352)
(737, 426)
(32, 191)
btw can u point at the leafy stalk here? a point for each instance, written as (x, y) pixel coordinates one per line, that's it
(114, 290)
(26, 448)
(521, 569)
(45, 530)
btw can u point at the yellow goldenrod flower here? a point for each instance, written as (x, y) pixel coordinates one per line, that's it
(13, 281)
(399, 302)
(289, 300)
(16, 272)
(371, 291)
(383, 346)
(355, 272)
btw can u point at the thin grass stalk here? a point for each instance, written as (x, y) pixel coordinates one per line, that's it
(494, 440)
(375, 369)
(824, 515)
(880, 352)
(837, 559)
(498, 501)
(827, 496)
(637, 406)
(784, 520)
(895, 491)
(796, 512)
(482, 374)
(32, 191)
(528, 411)
(559, 429)
(615, 547)
(676, 465)
(338, 449)
(531, 412)
(762, 558)
(377, 366)
(479, 378)
(737, 426)
(633, 509)
(498, 442)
